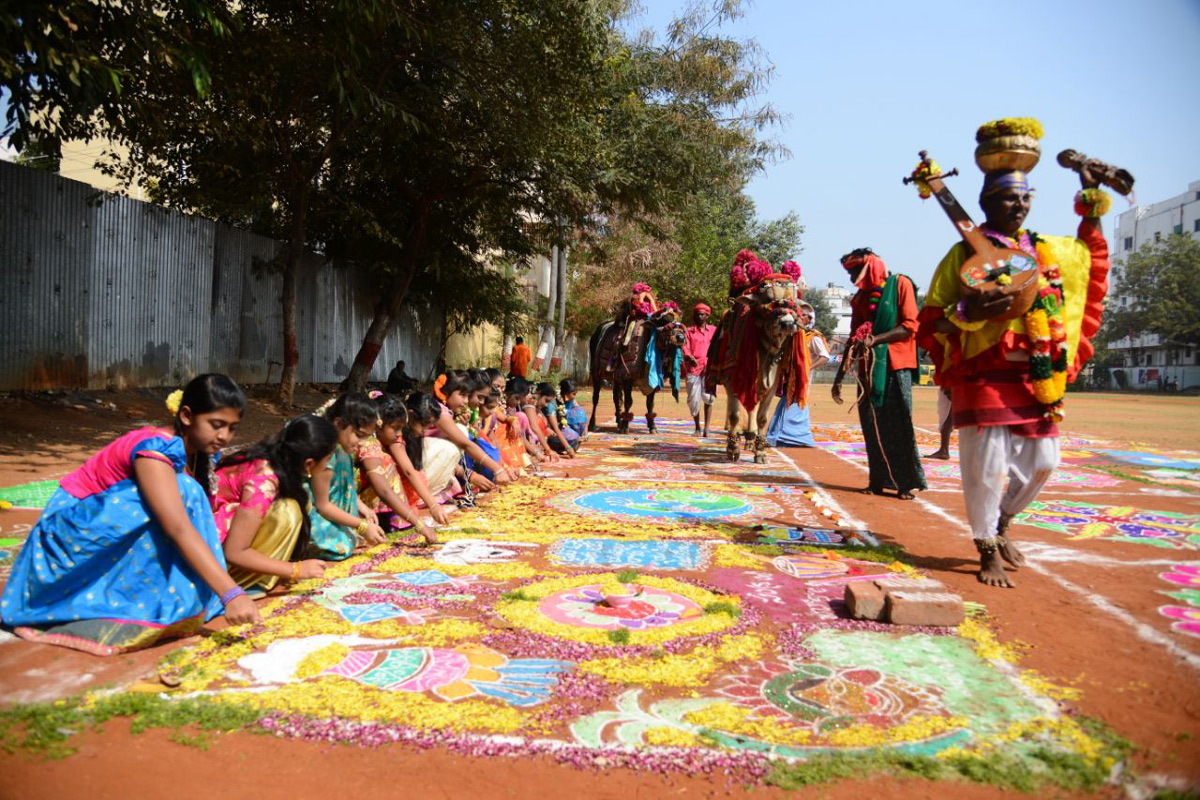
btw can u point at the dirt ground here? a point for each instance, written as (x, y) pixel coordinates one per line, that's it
(1085, 610)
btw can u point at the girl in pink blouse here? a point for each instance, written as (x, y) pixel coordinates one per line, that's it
(261, 506)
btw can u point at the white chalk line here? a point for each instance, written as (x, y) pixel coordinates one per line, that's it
(829, 501)
(937, 511)
(1143, 631)
(1048, 553)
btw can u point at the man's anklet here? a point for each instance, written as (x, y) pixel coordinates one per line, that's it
(986, 546)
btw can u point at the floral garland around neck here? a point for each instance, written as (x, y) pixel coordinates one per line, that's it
(1044, 326)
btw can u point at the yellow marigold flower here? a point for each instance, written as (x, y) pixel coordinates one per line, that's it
(732, 556)
(173, 401)
(1010, 126)
(320, 660)
(664, 736)
(1037, 325)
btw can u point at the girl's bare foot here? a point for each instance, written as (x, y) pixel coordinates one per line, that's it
(941, 455)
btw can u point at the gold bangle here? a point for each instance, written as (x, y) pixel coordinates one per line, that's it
(295, 571)
(361, 530)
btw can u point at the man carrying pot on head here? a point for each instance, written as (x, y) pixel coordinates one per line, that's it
(1007, 375)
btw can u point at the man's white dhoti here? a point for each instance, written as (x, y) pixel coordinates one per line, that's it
(696, 396)
(990, 456)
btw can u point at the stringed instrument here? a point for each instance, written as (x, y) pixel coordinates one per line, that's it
(980, 272)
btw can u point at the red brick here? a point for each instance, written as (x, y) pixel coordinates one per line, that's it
(923, 608)
(900, 584)
(864, 599)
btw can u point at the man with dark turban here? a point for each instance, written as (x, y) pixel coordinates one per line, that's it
(883, 322)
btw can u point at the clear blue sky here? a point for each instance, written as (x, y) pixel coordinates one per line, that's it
(868, 83)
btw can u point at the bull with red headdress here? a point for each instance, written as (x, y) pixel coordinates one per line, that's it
(753, 349)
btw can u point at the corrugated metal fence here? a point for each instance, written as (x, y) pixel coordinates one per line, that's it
(99, 291)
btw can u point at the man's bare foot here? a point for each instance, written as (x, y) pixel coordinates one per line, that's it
(941, 455)
(991, 570)
(1009, 552)
(1008, 548)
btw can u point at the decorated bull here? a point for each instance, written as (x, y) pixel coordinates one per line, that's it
(643, 347)
(754, 350)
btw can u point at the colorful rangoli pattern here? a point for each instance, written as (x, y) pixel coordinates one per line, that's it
(674, 603)
(1185, 618)
(665, 505)
(1120, 523)
(648, 554)
(586, 607)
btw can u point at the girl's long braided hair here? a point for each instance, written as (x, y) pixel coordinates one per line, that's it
(304, 437)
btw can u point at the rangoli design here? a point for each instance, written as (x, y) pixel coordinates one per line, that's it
(1120, 523)
(664, 505)
(586, 607)
(647, 554)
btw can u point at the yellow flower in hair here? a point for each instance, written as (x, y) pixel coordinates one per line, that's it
(174, 399)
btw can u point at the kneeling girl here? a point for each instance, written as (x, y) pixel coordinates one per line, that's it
(261, 505)
(126, 552)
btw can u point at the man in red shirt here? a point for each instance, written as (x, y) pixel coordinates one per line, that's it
(695, 360)
(521, 356)
(883, 324)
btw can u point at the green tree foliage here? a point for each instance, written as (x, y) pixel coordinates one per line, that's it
(493, 157)
(685, 257)
(597, 127)
(64, 65)
(288, 87)
(419, 140)
(826, 320)
(1162, 282)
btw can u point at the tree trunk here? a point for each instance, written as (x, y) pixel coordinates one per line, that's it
(560, 338)
(562, 293)
(388, 308)
(291, 272)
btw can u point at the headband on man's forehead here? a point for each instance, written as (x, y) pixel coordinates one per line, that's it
(994, 182)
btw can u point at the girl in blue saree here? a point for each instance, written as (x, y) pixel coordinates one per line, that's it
(126, 552)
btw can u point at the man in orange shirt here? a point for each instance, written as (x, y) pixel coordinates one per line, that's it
(883, 325)
(521, 356)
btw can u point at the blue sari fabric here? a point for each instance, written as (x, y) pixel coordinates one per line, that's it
(330, 541)
(99, 574)
(489, 449)
(577, 417)
(790, 427)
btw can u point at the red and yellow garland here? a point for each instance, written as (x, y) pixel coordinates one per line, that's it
(1048, 337)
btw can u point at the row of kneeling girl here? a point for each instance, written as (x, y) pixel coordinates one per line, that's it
(152, 536)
